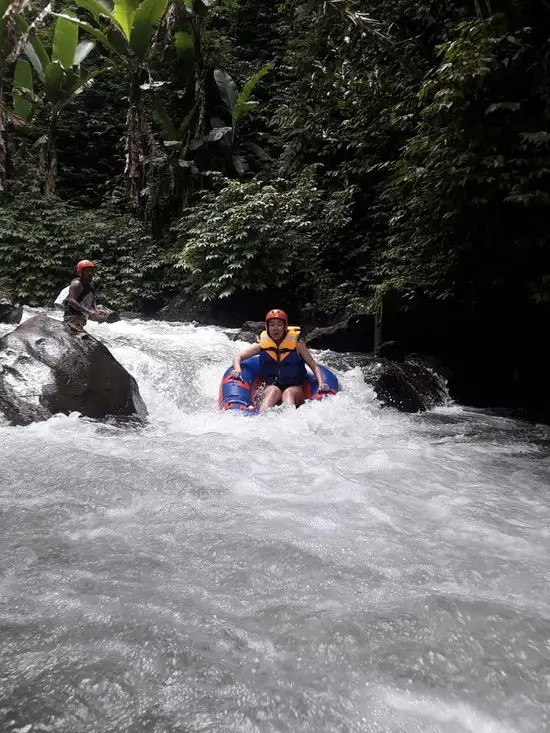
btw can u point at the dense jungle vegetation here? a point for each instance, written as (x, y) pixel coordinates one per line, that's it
(353, 156)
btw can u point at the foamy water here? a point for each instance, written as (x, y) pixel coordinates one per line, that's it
(338, 568)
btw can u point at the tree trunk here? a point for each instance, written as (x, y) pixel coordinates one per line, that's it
(48, 162)
(378, 316)
(135, 153)
(200, 97)
(3, 147)
(193, 182)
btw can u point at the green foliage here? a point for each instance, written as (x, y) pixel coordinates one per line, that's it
(60, 74)
(251, 236)
(14, 30)
(22, 82)
(236, 152)
(131, 24)
(238, 104)
(147, 19)
(472, 184)
(339, 112)
(89, 139)
(13, 27)
(38, 253)
(65, 41)
(396, 148)
(61, 77)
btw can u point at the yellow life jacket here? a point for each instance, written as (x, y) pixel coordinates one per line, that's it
(286, 347)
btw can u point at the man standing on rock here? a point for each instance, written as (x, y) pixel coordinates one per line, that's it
(80, 303)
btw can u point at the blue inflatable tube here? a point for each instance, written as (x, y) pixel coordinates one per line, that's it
(239, 394)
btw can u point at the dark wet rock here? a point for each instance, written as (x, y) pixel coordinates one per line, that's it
(46, 368)
(250, 332)
(228, 312)
(409, 386)
(343, 362)
(354, 334)
(10, 313)
(185, 309)
(429, 361)
(112, 316)
(392, 350)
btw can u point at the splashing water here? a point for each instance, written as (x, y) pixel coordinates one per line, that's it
(339, 568)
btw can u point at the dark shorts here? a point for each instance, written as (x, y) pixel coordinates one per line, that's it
(273, 381)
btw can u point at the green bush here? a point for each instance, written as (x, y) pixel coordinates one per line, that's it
(254, 235)
(471, 193)
(42, 239)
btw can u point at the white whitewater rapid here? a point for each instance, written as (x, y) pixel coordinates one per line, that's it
(341, 568)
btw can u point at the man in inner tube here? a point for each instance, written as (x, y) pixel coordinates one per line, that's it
(282, 363)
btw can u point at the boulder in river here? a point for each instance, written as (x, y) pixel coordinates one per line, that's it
(228, 312)
(412, 385)
(46, 368)
(10, 313)
(356, 333)
(250, 332)
(111, 316)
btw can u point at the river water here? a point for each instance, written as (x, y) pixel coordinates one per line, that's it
(336, 569)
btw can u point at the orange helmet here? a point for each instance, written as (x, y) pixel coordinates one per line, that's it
(83, 264)
(277, 313)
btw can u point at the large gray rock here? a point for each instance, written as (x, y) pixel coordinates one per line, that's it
(110, 315)
(46, 368)
(354, 334)
(412, 385)
(227, 312)
(250, 332)
(221, 312)
(10, 313)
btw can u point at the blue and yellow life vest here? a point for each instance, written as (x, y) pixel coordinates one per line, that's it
(280, 363)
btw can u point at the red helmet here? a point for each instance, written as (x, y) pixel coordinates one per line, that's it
(277, 313)
(83, 264)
